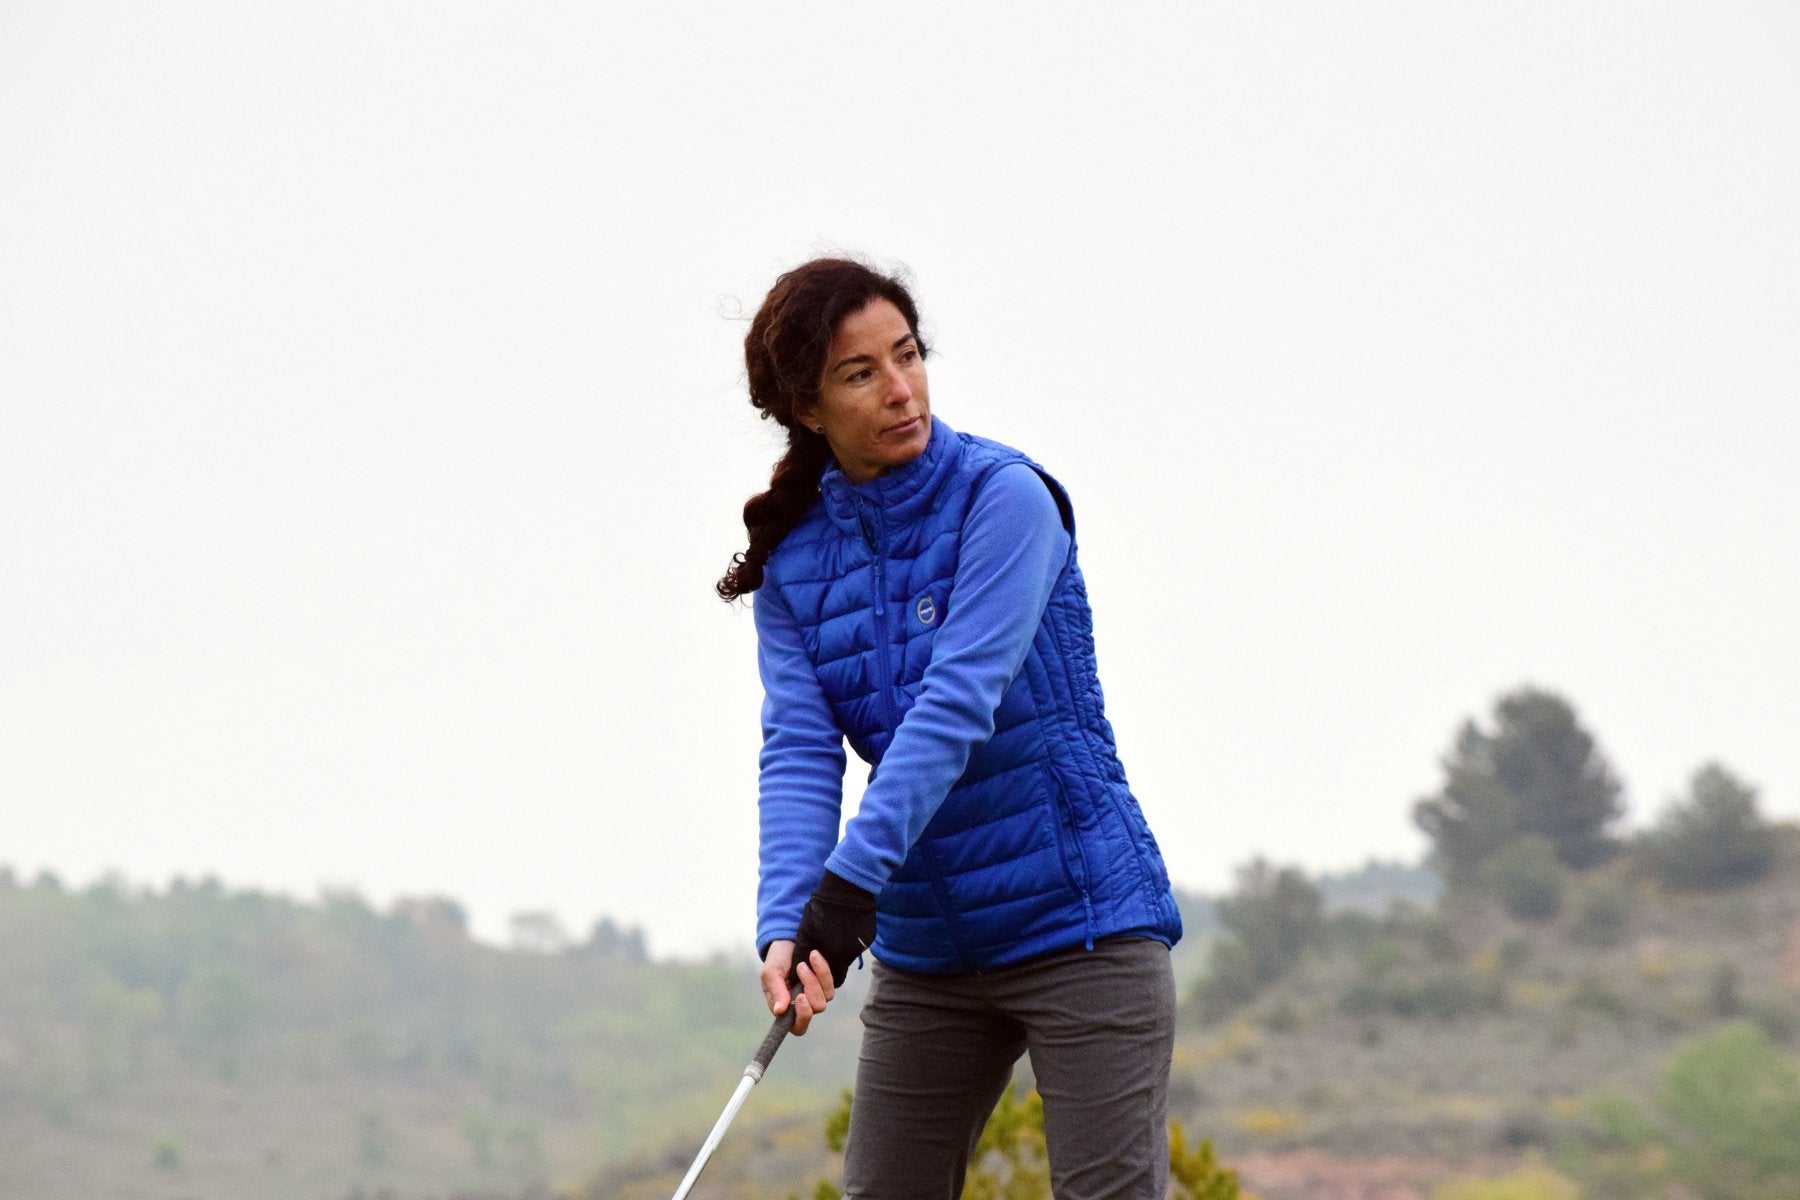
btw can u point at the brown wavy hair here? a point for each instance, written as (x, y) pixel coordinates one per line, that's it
(784, 356)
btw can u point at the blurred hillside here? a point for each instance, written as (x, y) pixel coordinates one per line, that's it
(1465, 1034)
(205, 1041)
(201, 1041)
(1550, 1004)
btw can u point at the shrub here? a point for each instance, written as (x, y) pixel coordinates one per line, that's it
(1714, 839)
(1366, 996)
(1723, 1128)
(1440, 995)
(1603, 918)
(1380, 956)
(1281, 1017)
(1527, 879)
(1618, 1121)
(1010, 1162)
(1196, 1173)
(1780, 1019)
(1596, 996)
(1735, 1102)
(1438, 938)
(1515, 952)
(1523, 1129)
(1614, 1150)
(1446, 995)
(1231, 980)
(1352, 929)
(1268, 1122)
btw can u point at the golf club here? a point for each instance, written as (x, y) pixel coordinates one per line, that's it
(752, 1074)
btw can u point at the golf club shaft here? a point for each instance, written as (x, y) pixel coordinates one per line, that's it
(753, 1073)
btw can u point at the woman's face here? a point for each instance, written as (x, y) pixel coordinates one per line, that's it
(873, 399)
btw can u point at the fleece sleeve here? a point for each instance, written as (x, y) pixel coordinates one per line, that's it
(802, 775)
(1013, 549)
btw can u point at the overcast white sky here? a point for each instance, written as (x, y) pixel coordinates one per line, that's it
(372, 423)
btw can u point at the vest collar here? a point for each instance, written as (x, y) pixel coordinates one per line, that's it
(901, 494)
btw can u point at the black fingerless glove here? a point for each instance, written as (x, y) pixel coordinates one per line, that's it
(839, 922)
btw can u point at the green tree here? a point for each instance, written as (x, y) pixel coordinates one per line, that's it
(1715, 838)
(1277, 913)
(219, 1007)
(1270, 920)
(611, 940)
(1536, 773)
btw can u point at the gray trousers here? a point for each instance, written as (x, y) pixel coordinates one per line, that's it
(938, 1051)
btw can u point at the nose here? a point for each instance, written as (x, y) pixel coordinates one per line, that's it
(899, 390)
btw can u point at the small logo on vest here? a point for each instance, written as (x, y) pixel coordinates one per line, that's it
(926, 609)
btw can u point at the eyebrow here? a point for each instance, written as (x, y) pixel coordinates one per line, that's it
(864, 358)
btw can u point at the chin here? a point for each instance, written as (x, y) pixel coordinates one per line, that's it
(913, 448)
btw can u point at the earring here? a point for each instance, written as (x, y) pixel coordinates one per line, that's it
(818, 429)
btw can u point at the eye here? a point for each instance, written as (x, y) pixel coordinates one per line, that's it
(858, 375)
(909, 355)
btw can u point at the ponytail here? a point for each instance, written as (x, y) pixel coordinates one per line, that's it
(770, 516)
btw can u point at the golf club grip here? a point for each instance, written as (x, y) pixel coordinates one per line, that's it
(772, 1040)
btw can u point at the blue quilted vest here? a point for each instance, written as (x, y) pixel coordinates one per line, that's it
(1040, 844)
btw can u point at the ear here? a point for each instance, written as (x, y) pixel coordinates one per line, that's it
(806, 414)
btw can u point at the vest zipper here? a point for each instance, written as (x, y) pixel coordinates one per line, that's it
(882, 649)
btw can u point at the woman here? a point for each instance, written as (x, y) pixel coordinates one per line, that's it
(917, 594)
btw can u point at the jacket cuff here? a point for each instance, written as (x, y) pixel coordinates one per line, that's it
(848, 873)
(835, 889)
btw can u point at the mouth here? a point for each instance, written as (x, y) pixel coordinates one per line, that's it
(906, 426)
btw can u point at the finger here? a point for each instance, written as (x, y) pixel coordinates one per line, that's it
(822, 969)
(817, 980)
(774, 976)
(814, 986)
(775, 990)
(802, 980)
(803, 1015)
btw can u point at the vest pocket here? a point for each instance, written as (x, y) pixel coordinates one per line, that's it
(1068, 841)
(1074, 858)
